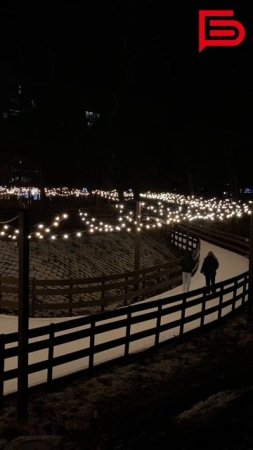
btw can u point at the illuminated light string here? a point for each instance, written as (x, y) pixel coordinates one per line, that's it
(12, 233)
(35, 192)
(156, 210)
(125, 223)
(32, 191)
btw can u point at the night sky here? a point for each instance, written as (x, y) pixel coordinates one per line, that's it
(170, 117)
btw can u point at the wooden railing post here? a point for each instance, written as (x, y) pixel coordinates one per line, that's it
(137, 240)
(244, 289)
(202, 318)
(92, 343)
(158, 324)
(181, 332)
(128, 329)
(23, 316)
(50, 354)
(234, 295)
(220, 301)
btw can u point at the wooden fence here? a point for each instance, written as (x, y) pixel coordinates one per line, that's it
(88, 341)
(230, 241)
(82, 296)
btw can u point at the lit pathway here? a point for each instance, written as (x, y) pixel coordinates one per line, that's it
(231, 265)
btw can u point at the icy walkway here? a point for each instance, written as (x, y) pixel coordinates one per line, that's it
(231, 265)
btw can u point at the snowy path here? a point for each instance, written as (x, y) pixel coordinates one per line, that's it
(231, 265)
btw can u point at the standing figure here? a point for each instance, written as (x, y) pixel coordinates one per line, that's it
(209, 267)
(187, 268)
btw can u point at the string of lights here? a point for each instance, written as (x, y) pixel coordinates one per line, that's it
(158, 210)
(35, 192)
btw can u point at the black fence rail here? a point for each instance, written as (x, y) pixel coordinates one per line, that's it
(230, 241)
(82, 296)
(82, 343)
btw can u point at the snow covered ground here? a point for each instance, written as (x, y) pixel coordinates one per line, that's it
(231, 265)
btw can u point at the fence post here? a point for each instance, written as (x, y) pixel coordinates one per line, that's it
(92, 343)
(220, 302)
(2, 345)
(158, 324)
(244, 289)
(234, 295)
(128, 329)
(137, 245)
(50, 354)
(202, 318)
(23, 316)
(181, 332)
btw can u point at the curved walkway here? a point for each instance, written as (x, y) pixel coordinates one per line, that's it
(231, 265)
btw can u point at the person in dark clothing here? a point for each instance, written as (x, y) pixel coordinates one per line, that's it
(209, 267)
(187, 268)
